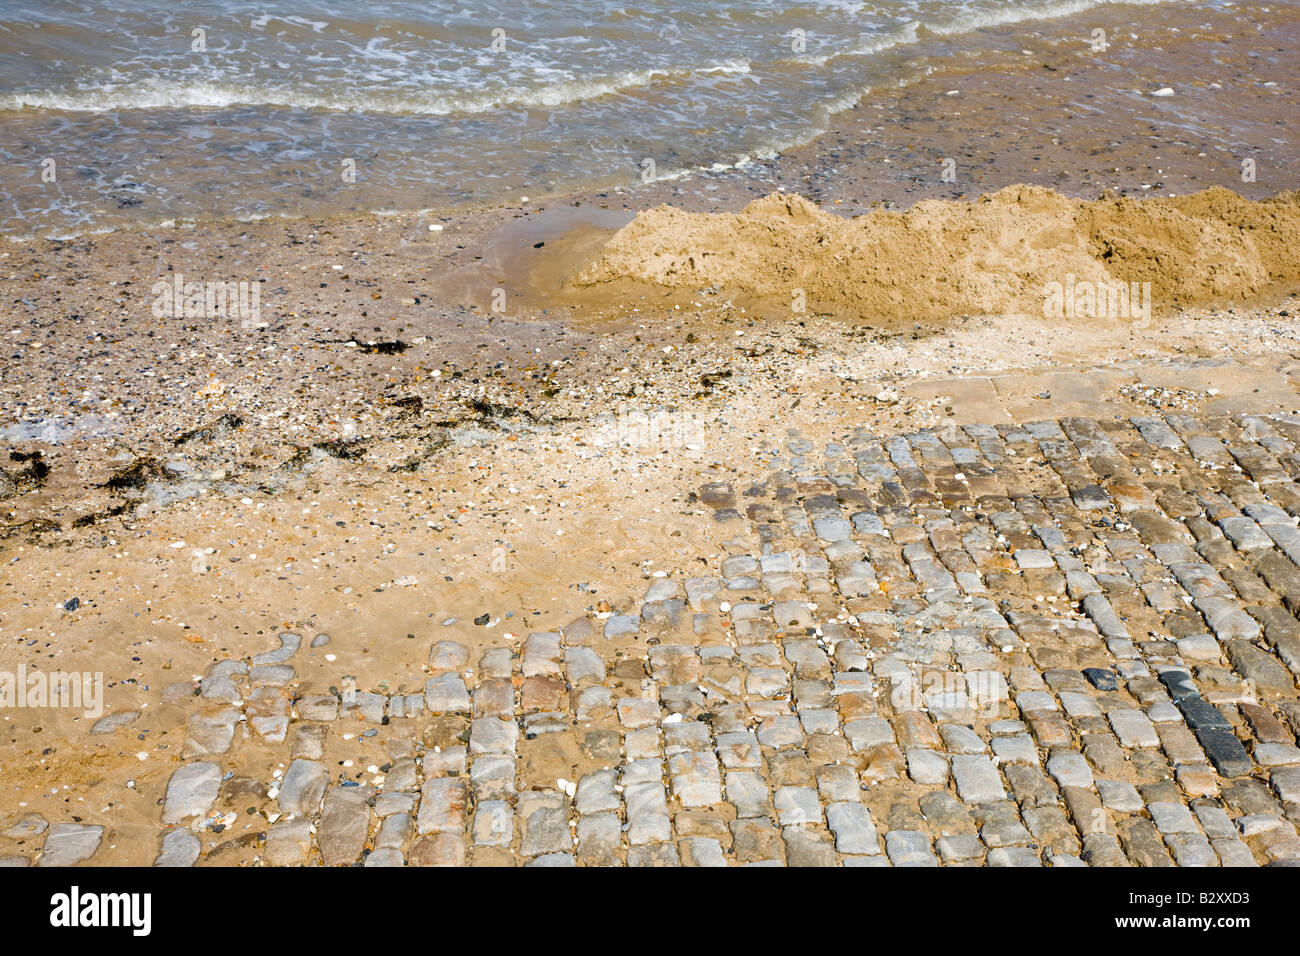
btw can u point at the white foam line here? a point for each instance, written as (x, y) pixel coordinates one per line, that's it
(904, 37)
(773, 150)
(219, 95)
(1023, 14)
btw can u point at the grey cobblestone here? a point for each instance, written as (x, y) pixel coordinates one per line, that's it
(977, 779)
(855, 833)
(191, 792)
(911, 669)
(909, 848)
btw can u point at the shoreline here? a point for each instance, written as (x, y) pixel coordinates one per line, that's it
(1072, 138)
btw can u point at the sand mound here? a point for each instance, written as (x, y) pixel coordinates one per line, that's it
(999, 254)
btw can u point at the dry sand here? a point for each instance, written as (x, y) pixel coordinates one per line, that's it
(941, 259)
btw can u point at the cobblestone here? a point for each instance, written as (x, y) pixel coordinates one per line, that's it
(191, 792)
(67, 844)
(1063, 656)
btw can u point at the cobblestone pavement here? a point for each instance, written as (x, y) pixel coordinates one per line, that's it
(1069, 643)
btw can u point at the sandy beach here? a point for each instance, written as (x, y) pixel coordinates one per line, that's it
(522, 481)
